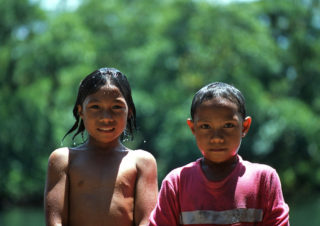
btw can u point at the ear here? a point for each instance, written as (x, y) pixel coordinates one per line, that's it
(80, 111)
(246, 125)
(191, 125)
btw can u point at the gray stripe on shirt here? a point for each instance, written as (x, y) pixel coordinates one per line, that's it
(221, 217)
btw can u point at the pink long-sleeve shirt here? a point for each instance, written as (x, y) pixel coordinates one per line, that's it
(250, 195)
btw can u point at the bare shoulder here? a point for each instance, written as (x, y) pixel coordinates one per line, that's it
(143, 157)
(59, 158)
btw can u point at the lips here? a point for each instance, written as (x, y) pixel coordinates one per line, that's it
(218, 149)
(106, 129)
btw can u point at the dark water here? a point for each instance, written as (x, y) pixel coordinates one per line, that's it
(305, 211)
(22, 217)
(302, 213)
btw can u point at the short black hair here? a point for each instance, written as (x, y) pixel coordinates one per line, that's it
(91, 84)
(219, 89)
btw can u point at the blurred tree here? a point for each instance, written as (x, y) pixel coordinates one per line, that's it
(288, 135)
(168, 49)
(20, 21)
(43, 60)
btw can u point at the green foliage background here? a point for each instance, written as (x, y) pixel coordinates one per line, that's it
(168, 49)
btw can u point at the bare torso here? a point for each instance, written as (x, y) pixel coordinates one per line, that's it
(101, 188)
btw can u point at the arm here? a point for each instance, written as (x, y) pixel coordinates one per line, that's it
(167, 210)
(146, 190)
(56, 190)
(277, 211)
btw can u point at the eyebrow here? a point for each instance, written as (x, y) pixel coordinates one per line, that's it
(94, 100)
(120, 100)
(224, 120)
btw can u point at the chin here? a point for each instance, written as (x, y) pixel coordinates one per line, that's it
(217, 159)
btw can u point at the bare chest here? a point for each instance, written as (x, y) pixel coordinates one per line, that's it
(102, 173)
(102, 187)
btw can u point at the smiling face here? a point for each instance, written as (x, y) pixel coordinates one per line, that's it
(104, 114)
(218, 128)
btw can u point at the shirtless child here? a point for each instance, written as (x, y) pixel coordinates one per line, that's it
(101, 182)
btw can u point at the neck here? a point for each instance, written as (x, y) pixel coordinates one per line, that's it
(114, 146)
(218, 171)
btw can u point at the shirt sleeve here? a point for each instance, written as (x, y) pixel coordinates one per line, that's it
(166, 211)
(277, 211)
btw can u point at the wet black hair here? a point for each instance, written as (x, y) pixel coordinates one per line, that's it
(219, 89)
(91, 84)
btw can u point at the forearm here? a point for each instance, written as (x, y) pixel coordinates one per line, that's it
(146, 189)
(56, 189)
(54, 216)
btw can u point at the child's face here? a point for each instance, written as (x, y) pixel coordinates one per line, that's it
(104, 114)
(218, 128)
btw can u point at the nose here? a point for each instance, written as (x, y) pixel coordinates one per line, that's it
(106, 116)
(217, 137)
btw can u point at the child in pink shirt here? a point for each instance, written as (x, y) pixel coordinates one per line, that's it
(221, 188)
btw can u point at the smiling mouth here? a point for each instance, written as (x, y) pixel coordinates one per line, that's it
(106, 130)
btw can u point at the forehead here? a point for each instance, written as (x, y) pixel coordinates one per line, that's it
(217, 107)
(107, 91)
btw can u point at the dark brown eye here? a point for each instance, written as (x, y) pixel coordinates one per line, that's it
(117, 107)
(94, 107)
(204, 126)
(229, 125)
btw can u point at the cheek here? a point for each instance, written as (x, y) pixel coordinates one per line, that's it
(202, 137)
(87, 116)
(236, 145)
(123, 115)
(201, 142)
(122, 119)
